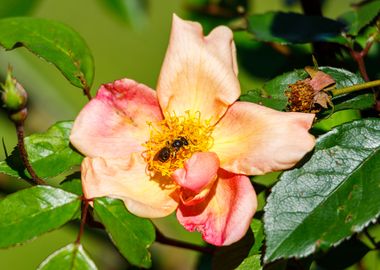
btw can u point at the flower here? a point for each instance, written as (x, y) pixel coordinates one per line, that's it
(190, 145)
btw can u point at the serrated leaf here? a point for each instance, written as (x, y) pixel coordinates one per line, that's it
(33, 211)
(132, 12)
(131, 235)
(52, 41)
(251, 263)
(293, 28)
(330, 197)
(49, 153)
(272, 94)
(70, 257)
(11, 8)
(357, 19)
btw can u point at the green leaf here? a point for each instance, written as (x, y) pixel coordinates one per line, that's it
(361, 102)
(52, 41)
(49, 153)
(343, 78)
(131, 235)
(250, 263)
(333, 195)
(70, 257)
(73, 184)
(132, 12)
(294, 28)
(257, 228)
(356, 20)
(33, 211)
(10, 8)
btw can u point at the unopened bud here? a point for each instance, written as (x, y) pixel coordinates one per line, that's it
(13, 96)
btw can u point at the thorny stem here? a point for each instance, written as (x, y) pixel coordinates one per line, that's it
(85, 204)
(358, 57)
(160, 238)
(354, 88)
(35, 180)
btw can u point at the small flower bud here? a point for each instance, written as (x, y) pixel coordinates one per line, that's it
(19, 116)
(13, 96)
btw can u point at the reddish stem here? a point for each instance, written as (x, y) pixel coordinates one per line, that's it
(82, 221)
(24, 156)
(160, 238)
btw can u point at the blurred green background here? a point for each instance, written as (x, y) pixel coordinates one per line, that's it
(119, 51)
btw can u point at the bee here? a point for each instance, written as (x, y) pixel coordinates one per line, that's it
(171, 149)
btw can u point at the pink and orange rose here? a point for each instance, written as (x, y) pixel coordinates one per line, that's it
(189, 146)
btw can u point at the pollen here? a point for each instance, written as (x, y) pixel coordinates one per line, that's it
(174, 140)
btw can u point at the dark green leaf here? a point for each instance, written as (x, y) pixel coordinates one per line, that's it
(342, 77)
(10, 8)
(330, 197)
(33, 211)
(70, 257)
(356, 20)
(361, 102)
(129, 11)
(132, 235)
(294, 28)
(49, 153)
(54, 42)
(73, 184)
(251, 263)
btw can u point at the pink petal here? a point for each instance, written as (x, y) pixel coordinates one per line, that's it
(251, 139)
(225, 216)
(114, 123)
(126, 179)
(198, 172)
(199, 73)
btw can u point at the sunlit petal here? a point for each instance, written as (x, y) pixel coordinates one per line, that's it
(251, 139)
(114, 123)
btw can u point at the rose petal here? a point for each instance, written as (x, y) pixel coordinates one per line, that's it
(199, 73)
(251, 139)
(198, 171)
(114, 123)
(225, 216)
(126, 180)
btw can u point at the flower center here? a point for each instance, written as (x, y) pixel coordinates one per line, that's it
(174, 140)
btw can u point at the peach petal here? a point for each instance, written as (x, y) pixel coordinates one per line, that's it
(225, 216)
(126, 179)
(198, 171)
(198, 73)
(114, 123)
(251, 139)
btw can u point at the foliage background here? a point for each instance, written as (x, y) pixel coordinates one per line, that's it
(121, 51)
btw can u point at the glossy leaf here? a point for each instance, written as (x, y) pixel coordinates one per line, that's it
(357, 19)
(70, 257)
(132, 12)
(361, 102)
(291, 28)
(50, 153)
(73, 184)
(131, 235)
(10, 8)
(52, 41)
(33, 211)
(273, 92)
(330, 197)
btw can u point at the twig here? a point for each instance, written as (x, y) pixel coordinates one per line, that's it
(354, 88)
(160, 238)
(85, 204)
(35, 180)
(359, 59)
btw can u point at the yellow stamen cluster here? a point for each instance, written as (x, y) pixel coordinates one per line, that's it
(161, 156)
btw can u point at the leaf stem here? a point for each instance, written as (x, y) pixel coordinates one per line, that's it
(85, 204)
(35, 180)
(354, 88)
(160, 238)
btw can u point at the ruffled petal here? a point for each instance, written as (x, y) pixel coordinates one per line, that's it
(225, 216)
(198, 73)
(198, 171)
(126, 180)
(251, 139)
(114, 123)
